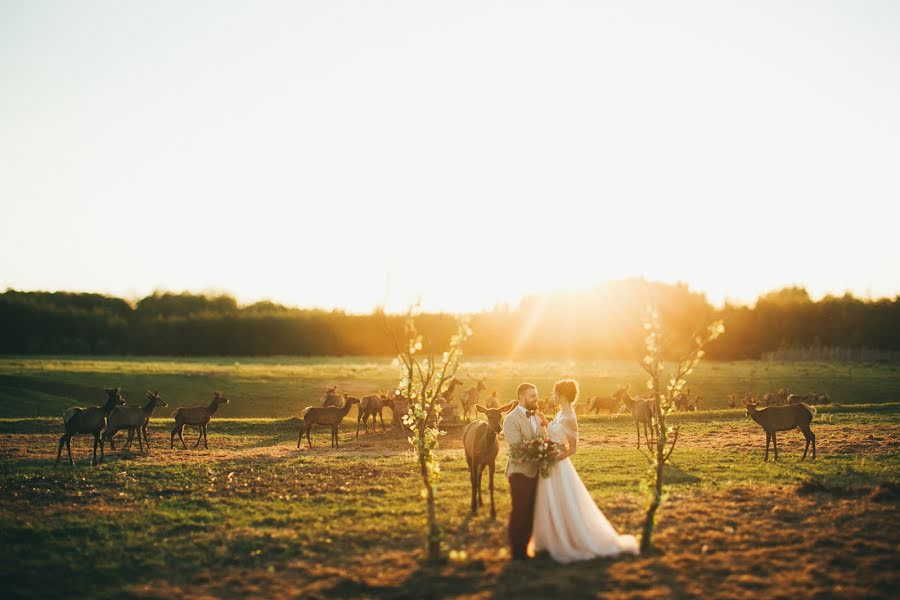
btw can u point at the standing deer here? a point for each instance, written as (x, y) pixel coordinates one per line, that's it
(332, 398)
(371, 405)
(399, 407)
(641, 410)
(91, 421)
(195, 415)
(784, 418)
(481, 446)
(469, 397)
(330, 416)
(134, 419)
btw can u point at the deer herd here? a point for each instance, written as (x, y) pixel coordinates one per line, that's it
(773, 412)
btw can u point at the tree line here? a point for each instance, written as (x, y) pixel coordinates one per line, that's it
(603, 322)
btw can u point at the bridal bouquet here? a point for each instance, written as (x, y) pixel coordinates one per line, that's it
(536, 451)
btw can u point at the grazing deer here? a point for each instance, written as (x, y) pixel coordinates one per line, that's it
(611, 403)
(371, 405)
(784, 418)
(641, 410)
(798, 399)
(89, 420)
(134, 419)
(198, 416)
(492, 401)
(481, 447)
(684, 402)
(330, 416)
(469, 397)
(332, 398)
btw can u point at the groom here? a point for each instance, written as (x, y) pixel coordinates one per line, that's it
(519, 425)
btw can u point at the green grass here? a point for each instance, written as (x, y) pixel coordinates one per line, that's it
(283, 386)
(255, 516)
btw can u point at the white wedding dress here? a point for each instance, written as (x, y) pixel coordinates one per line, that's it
(567, 523)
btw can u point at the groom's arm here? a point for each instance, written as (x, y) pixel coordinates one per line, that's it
(512, 432)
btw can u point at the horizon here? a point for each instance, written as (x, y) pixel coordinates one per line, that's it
(340, 155)
(242, 303)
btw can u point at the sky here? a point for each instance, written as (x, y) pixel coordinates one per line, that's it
(355, 154)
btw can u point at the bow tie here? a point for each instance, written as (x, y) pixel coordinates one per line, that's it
(530, 413)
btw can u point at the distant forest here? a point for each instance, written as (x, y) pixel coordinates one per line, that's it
(603, 322)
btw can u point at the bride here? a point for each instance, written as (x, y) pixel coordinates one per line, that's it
(567, 523)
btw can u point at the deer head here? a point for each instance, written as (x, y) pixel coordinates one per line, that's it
(495, 415)
(114, 396)
(154, 395)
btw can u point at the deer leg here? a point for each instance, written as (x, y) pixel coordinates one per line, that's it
(100, 439)
(768, 441)
(810, 438)
(637, 429)
(381, 415)
(94, 458)
(491, 487)
(775, 445)
(308, 429)
(334, 434)
(205, 444)
(146, 438)
(480, 475)
(62, 442)
(813, 436)
(199, 435)
(181, 436)
(473, 480)
(131, 433)
(69, 448)
(300, 437)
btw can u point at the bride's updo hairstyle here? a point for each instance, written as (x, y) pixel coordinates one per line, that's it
(567, 388)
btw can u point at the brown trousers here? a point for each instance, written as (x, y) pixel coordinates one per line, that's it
(522, 489)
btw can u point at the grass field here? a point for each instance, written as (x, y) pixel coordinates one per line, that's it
(255, 516)
(282, 387)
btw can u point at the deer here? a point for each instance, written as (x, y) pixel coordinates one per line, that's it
(332, 398)
(784, 418)
(492, 401)
(89, 420)
(469, 397)
(597, 403)
(195, 415)
(732, 401)
(480, 443)
(449, 408)
(798, 399)
(399, 406)
(134, 419)
(683, 401)
(326, 415)
(641, 410)
(371, 405)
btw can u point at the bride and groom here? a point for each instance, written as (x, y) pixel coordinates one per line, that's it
(554, 514)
